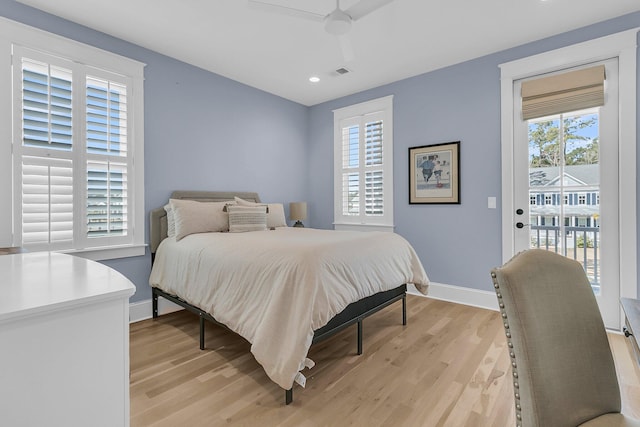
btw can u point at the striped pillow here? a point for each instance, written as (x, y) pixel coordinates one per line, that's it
(247, 218)
(275, 212)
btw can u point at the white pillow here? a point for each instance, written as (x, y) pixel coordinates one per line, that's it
(247, 218)
(275, 213)
(171, 221)
(198, 217)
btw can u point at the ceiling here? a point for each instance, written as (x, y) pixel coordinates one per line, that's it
(278, 53)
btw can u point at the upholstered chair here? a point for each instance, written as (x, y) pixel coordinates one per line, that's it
(562, 366)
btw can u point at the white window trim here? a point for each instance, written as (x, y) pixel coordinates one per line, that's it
(385, 106)
(623, 46)
(14, 33)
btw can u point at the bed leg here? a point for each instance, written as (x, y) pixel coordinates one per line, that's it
(360, 336)
(404, 309)
(201, 317)
(288, 396)
(154, 303)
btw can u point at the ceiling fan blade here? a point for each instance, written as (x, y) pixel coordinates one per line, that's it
(283, 10)
(365, 7)
(346, 47)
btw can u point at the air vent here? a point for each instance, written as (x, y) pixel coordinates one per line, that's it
(342, 71)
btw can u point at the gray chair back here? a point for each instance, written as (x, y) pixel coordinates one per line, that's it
(563, 369)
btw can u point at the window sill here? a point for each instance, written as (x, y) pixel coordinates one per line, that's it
(109, 252)
(343, 226)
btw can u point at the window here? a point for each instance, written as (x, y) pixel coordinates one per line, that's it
(77, 150)
(363, 174)
(532, 199)
(582, 199)
(547, 199)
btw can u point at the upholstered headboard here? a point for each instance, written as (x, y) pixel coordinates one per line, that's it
(158, 216)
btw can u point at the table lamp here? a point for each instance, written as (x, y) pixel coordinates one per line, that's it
(298, 212)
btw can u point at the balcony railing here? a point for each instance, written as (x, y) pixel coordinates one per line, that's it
(579, 243)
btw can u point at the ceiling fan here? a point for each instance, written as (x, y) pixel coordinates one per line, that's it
(338, 22)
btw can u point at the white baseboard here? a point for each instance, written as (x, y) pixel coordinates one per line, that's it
(459, 295)
(141, 310)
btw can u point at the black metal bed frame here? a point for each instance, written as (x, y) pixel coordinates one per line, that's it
(355, 312)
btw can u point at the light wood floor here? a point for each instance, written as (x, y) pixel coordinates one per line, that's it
(447, 367)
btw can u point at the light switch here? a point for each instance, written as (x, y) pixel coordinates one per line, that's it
(491, 202)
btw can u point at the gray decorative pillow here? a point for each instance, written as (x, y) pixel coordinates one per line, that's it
(171, 221)
(275, 212)
(247, 218)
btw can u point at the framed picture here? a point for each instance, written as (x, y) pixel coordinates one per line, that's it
(434, 173)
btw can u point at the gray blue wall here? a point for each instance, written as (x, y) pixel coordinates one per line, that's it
(203, 131)
(458, 244)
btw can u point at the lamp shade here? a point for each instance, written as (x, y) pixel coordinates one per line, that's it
(298, 211)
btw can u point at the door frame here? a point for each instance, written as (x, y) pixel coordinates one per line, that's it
(622, 46)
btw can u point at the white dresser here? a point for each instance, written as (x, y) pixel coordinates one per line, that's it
(64, 342)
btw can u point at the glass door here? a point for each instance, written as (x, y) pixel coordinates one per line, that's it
(566, 191)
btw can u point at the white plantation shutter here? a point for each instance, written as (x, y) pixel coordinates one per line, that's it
(362, 167)
(350, 167)
(107, 200)
(47, 203)
(351, 194)
(73, 163)
(374, 175)
(46, 106)
(364, 164)
(106, 117)
(72, 169)
(374, 193)
(373, 143)
(45, 163)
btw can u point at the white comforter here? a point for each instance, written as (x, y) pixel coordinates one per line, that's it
(276, 287)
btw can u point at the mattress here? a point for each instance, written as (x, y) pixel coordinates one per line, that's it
(275, 287)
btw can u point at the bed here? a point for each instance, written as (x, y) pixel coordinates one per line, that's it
(282, 289)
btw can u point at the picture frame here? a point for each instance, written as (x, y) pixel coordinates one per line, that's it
(434, 173)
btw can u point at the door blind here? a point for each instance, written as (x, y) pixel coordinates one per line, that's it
(561, 93)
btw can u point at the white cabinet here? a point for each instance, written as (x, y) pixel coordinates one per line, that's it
(64, 342)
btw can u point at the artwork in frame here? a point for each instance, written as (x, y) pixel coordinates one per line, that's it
(434, 173)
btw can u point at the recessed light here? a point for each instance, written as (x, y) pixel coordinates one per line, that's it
(314, 79)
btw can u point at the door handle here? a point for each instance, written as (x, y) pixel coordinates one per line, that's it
(521, 225)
